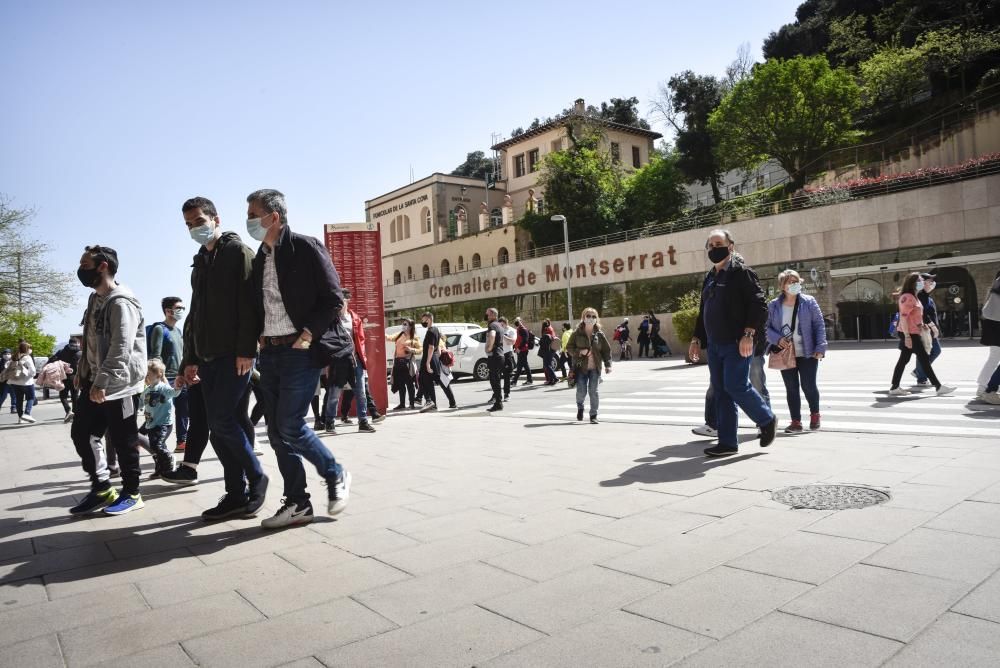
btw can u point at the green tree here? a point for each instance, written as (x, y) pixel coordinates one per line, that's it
(655, 193)
(790, 110)
(476, 166)
(893, 74)
(582, 184)
(952, 51)
(17, 326)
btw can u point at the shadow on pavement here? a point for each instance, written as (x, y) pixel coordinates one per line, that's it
(687, 461)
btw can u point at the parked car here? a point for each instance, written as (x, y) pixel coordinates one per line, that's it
(445, 328)
(470, 354)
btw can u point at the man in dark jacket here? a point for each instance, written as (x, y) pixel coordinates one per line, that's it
(71, 354)
(298, 301)
(931, 320)
(521, 348)
(731, 315)
(220, 344)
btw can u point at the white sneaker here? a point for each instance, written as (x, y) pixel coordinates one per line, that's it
(69, 417)
(288, 515)
(28, 418)
(898, 392)
(945, 389)
(991, 398)
(705, 430)
(340, 492)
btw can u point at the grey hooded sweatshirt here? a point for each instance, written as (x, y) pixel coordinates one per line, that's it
(114, 329)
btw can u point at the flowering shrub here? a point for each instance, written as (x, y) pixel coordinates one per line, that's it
(829, 194)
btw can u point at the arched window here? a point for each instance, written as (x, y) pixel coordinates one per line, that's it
(427, 271)
(406, 227)
(392, 232)
(445, 268)
(397, 278)
(425, 219)
(399, 227)
(461, 263)
(476, 262)
(503, 257)
(409, 273)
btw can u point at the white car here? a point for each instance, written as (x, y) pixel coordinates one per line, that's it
(470, 354)
(446, 328)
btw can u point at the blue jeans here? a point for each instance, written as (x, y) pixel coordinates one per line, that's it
(586, 383)
(935, 351)
(804, 371)
(331, 402)
(24, 398)
(758, 379)
(287, 384)
(994, 382)
(222, 390)
(730, 373)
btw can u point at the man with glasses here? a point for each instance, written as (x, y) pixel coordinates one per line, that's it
(732, 314)
(165, 342)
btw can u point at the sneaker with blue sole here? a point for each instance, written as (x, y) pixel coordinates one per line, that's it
(125, 504)
(96, 500)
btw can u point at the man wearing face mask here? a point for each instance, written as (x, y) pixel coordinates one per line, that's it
(731, 315)
(298, 301)
(925, 287)
(220, 344)
(165, 342)
(110, 379)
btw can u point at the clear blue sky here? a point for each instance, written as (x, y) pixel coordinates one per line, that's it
(115, 112)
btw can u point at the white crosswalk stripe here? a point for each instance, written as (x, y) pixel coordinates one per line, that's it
(862, 406)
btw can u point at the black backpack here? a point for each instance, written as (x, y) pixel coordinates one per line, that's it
(531, 340)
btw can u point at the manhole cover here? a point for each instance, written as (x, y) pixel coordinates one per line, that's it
(830, 497)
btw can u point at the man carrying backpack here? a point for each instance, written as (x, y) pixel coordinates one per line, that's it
(164, 341)
(525, 341)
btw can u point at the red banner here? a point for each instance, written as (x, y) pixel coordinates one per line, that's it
(356, 250)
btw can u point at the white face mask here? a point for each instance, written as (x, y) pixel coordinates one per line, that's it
(794, 288)
(255, 229)
(590, 320)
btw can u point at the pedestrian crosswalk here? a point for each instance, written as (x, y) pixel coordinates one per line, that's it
(852, 406)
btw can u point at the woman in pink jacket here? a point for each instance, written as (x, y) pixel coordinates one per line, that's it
(911, 322)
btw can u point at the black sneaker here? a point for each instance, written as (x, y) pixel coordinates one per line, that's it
(330, 427)
(767, 433)
(227, 507)
(96, 500)
(258, 491)
(593, 419)
(506, 398)
(429, 407)
(497, 406)
(376, 419)
(346, 420)
(579, 415)
(721, 451)
(401, 407)
(182, 475)
(366, 427)
(452, 405)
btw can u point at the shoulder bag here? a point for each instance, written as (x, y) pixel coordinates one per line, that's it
(782, 359)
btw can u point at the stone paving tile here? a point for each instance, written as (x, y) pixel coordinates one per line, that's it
(677, 559)
(718, 602)
(931, 498)
(430, 529)
(216, 579)
(720, 502)
(430, 557)
(113, 573)
(352, 524)
(879, 524)
(315, 556)
(892, 604)
(535, 504)
(308, 662)
(426, 596)
(12, 549)
(561, 555)
(283, 595)
(691, 486)
(759, 525)
(988, 495)
(87, 645)
(806, 557)
(627, 502)
(787, 641)
(940, 452)
(51, 616)
(167, 656)
(42, 652)
(446, 505)
(616, 639)
(871, 477)
(546, 526)
(983, 601)
(373, 543)
(953, 640)
(190, 533)
(32, 566)
(964, 478)
(22, 593)
(981, 519)
(989, 459)
(905, 464)
(302, 633)
(571, 599)
(943, 554)
(771, 480)
(467, 637)
(650, 527)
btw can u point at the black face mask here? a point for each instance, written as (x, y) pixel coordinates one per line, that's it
(426, 324)
(718, 254)
(88, 276)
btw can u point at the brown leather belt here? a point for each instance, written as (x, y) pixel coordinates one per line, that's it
(286, 340)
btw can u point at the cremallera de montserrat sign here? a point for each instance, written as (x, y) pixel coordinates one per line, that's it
(495, 280)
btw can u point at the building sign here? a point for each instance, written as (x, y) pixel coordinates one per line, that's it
(554, 272)
(399, 207)
(356, 250)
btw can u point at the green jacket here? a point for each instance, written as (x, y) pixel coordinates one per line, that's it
(579, 340)
(223, 319)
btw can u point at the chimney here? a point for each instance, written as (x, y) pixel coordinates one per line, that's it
(578, 107)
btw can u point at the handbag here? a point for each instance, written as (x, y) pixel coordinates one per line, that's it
(783, 359)
(927, 339)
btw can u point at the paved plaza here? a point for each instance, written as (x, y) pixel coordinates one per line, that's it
(525, 539)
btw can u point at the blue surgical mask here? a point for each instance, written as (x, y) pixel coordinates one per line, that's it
(255, 229)
(920, 286)
(203, 234)
(794, 288)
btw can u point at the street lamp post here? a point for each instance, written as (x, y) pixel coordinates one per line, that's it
(559, 218)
